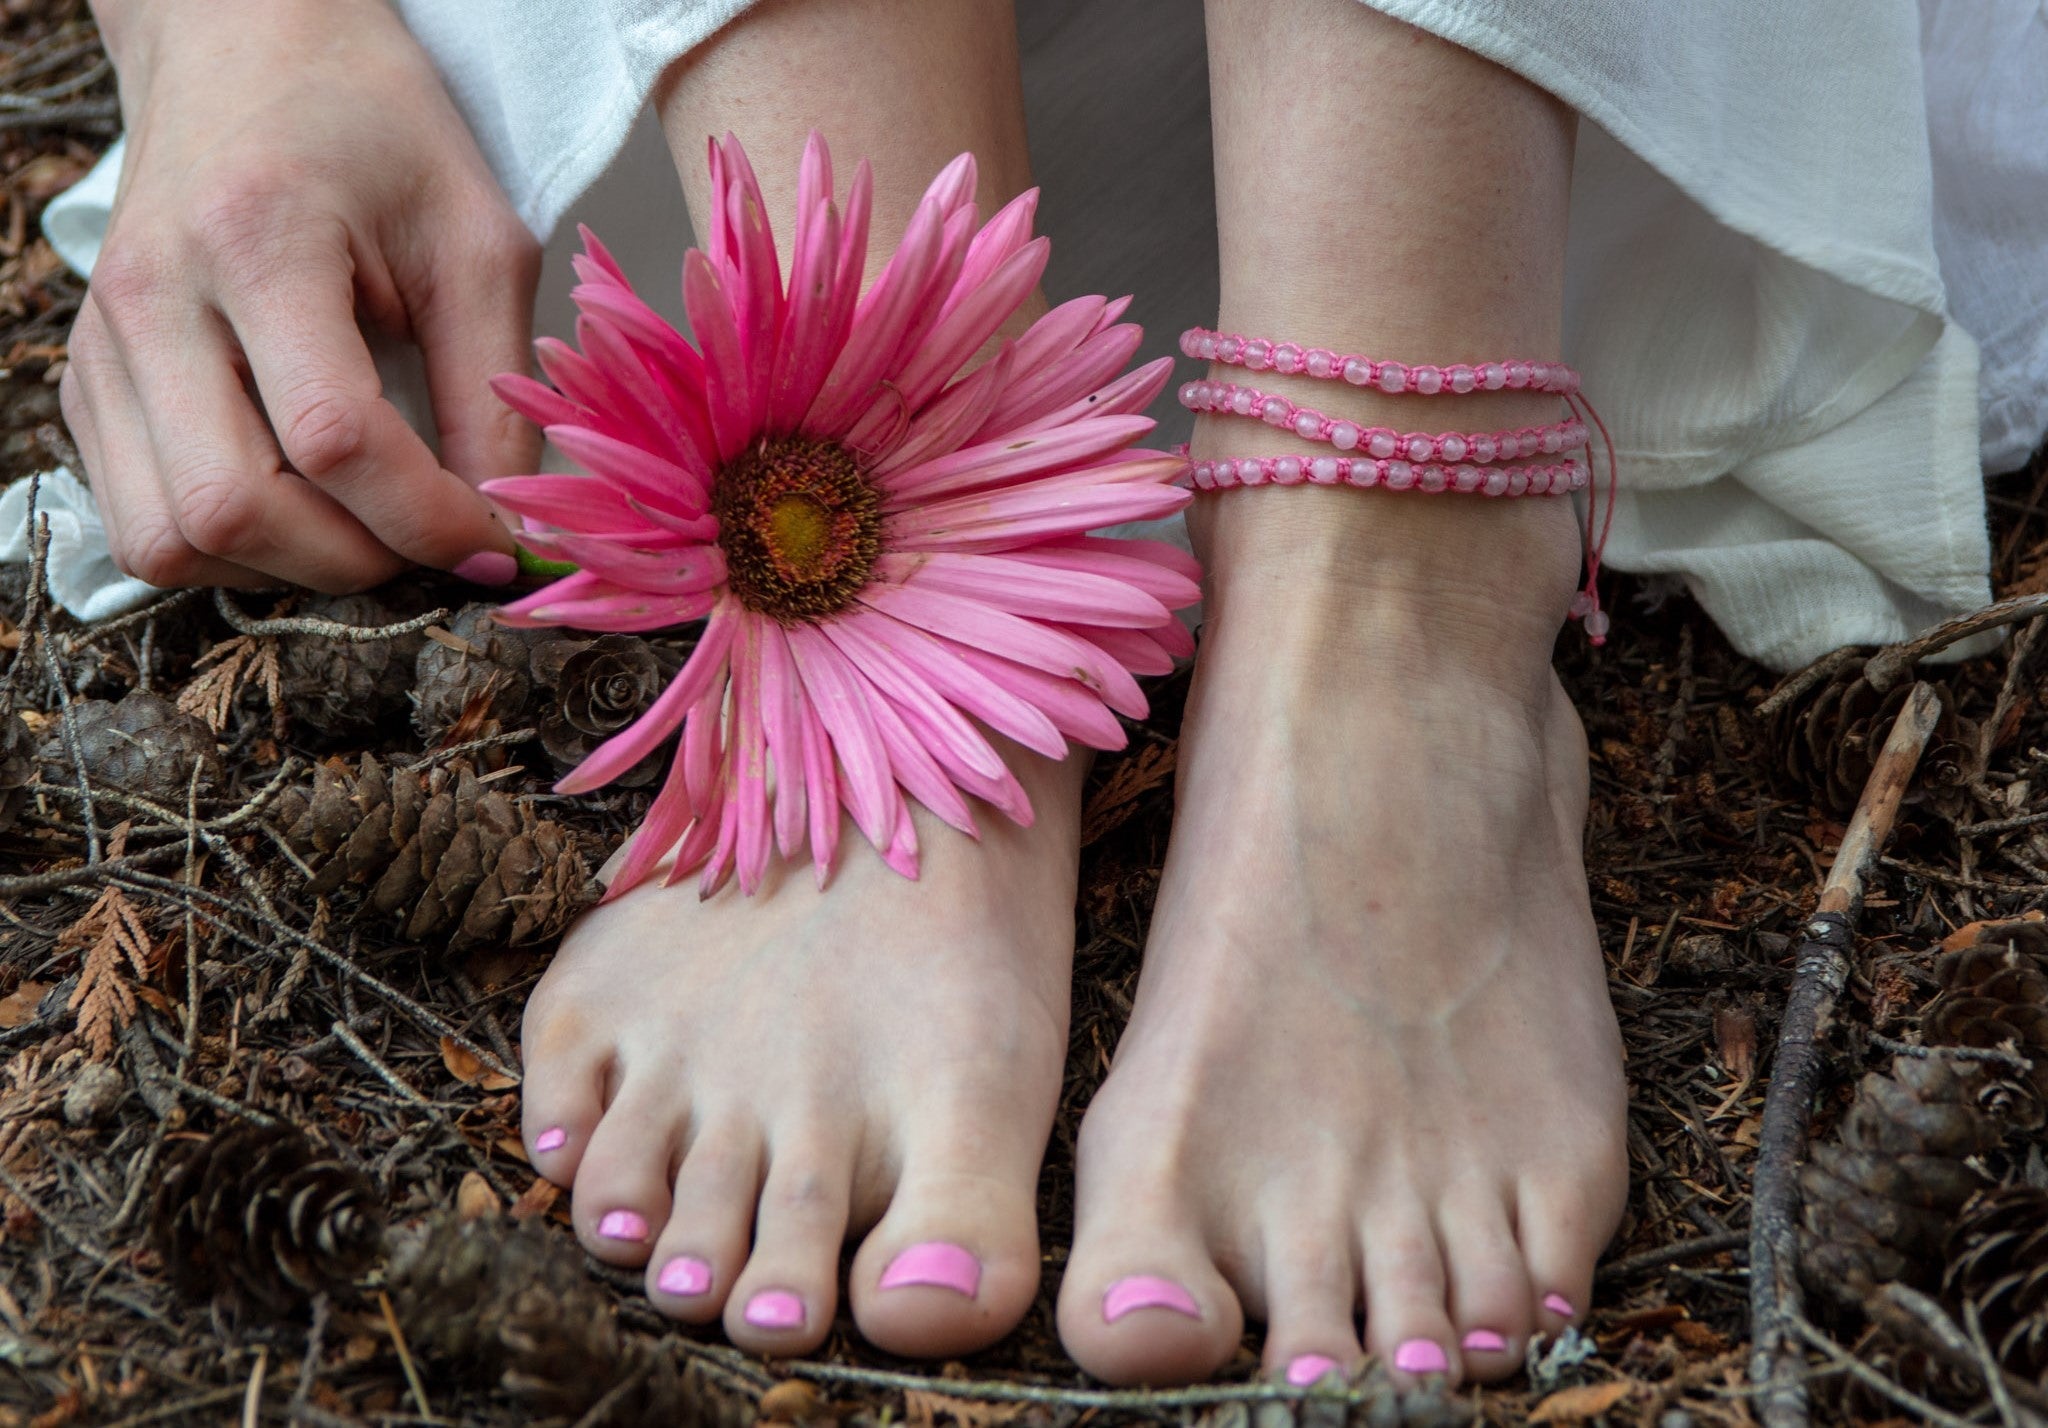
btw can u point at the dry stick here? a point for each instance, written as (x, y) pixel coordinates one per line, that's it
(1776, 1366)
(245, 624)
(1892, 663)
(1876, 1382)
(1695, 1247)
(412, 1374)
(391, 1078)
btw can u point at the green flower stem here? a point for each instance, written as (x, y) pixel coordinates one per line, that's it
(539, 566)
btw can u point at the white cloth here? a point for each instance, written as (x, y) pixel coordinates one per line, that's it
(82, 576)
(1755, 295)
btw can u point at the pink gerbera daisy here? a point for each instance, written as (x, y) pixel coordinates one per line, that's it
(890, 554)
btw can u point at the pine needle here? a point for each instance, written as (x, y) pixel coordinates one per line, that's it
(115, 942)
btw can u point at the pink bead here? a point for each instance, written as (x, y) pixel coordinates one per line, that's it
(1553, 441)
(1357, 371)
(1381, 444)
(1241, 401)
(1343, 436)
(1518, 484)
(1496, 483)
(1400, 476)
(1582, 606)
(1597, 625)
(1191, 394)
(1493, 376)
(1204, 476)
(1206, 348)
(1307, 425)
(1362, 473)
(1461, 379)
(1484, 448)
(1287, 358)
(1323, 470)
(1393, 377)
(1429, 380)
(1320, 362)
(1258, 354)
(1229, 349)
(1287, 471)
(1539, 482)
(1517, 375)
(1418, 448)
(1454, 448)
(1468, 478)
(1274, 411)
(1433, 479)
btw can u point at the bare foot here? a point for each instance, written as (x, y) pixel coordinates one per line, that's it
(1372, 1066)
(734, 1087)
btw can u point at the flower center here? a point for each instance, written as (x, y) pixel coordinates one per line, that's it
(800, 528)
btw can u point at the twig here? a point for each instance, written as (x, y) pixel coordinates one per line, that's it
(114, 624)
(346, 1035)
(1987, 1369)
(1793, 685)
(309, 1363)
(1913, 1315)
(2011, 1061)
(63, 1231)
(412, 1373)
(252, 1398)
(1821, 972)
(57, 115)
(178, 1408)
(1894, 662)
(986, 1391)
(1870, 1378)
(2003, 825)
(66, 725)
(315, 625)
(1956, 880)
(1695, 1247)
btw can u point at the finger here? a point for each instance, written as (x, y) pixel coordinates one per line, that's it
(474, 322)
(113, 445)
(320, 388)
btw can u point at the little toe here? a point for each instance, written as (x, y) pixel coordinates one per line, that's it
(953, 1265)
(783, 1300)
(1311, 1306)
(1142, 1301)
(1561, 1243)
(701, 1249)
(1407, 1322)
(1489, 1286)
(622, 1181)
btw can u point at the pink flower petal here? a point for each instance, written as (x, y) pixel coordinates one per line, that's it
(1005, 519)
(651, 478)
(1136, 650)
(601, 256)
(1006, 233)
(940, 428)
(677, 572)
(914, 768)
(822, 785)
(831, 689)
(702, 676)
(936, 662)
(726, 389)
(667, 818)
(1074, 709)
(1012, 460)
(1129, 394)
(538, 403)
(1126, 560)
(749, 759)
(782, 722)
(1032, 591)
(962, 332)
(878, 326)
(901, 854)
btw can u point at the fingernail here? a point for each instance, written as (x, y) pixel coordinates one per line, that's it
(684, 1276)
(775, 1309)
(1146, 1291)
(622, 1225)
(1422, 1356)
(488, 567)
(1308, 1369)
(937, 1263)
(1560, 1306)
(1485, 1341)
(553, 1138)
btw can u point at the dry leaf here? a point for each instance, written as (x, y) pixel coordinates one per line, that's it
(468, 1068)
(1586, 1400)
(537, 1199)
(1114, 803)
(115, 940)
(474, 1197)
(792, 1401)
(923, 1409)
(1735, 1040)
(18, 1007)
(1966, 935)
(227, 668)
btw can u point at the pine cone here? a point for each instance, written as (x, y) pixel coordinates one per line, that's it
(254, 1218)
(443, 853)
(1829, 737)
(339, 687)
(144, 745)
(476, 680)
(599, 687)
(510, 1302)
(17, 766)
(1878, 1205)
(1995, 993)
(1998, 1261)
(1906, 1363)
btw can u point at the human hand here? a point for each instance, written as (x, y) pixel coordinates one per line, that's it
(293, 164)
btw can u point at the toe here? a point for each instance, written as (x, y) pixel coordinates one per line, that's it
(1407, 1323)
(953, 1265)
(784, 1299)
(1311, 1289)
(1561, 1231)
(1490, 1302)
(561, 1094)
(622, 1182)
(711, 1216)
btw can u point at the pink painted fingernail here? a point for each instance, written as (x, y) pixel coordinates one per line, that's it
(1146, 1291)
(1485, 1341)
(488, 567)
(775, 1309)
(553, 1138)
(622, 1225)
(1308, 1369)
(936, 1263)
(1422, 1356)
(1560, 1306)
(684, 1276)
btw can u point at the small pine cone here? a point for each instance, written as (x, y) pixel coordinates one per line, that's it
(1829, 737)
(1877, 1206)
(1906, 1363)
(340, 687)
(599, 687)
(1995, 994)
(253, 1217)
(1998, 1261)
(144, 745)
(475, 680)
(439, 851)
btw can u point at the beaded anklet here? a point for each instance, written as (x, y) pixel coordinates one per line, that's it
(1260, 355)
(1393, 474)
(1311, 425)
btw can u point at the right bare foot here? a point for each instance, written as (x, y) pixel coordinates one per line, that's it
(733, 1087)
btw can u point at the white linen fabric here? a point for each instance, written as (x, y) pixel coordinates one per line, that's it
(1756, 268)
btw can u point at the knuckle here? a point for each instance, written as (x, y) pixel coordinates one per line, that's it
(156, 555)
(323, 433)
(124, 281)
(239, 220)
(218, 513)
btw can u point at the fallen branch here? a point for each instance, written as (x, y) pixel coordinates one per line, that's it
(1777, 1368)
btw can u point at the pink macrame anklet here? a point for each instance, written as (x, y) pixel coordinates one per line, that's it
(1392, 474)
(1382, 441)
(1259, 355)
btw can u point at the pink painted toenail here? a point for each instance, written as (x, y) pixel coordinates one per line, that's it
(1560, 1306)
(553, 1138)
(1146, 1291)
(622, 1225)
(684, 1276)
(775, 1309)
(1422, 1356)
(1485, 1341)
(1309, 1368)
(936, 1263)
